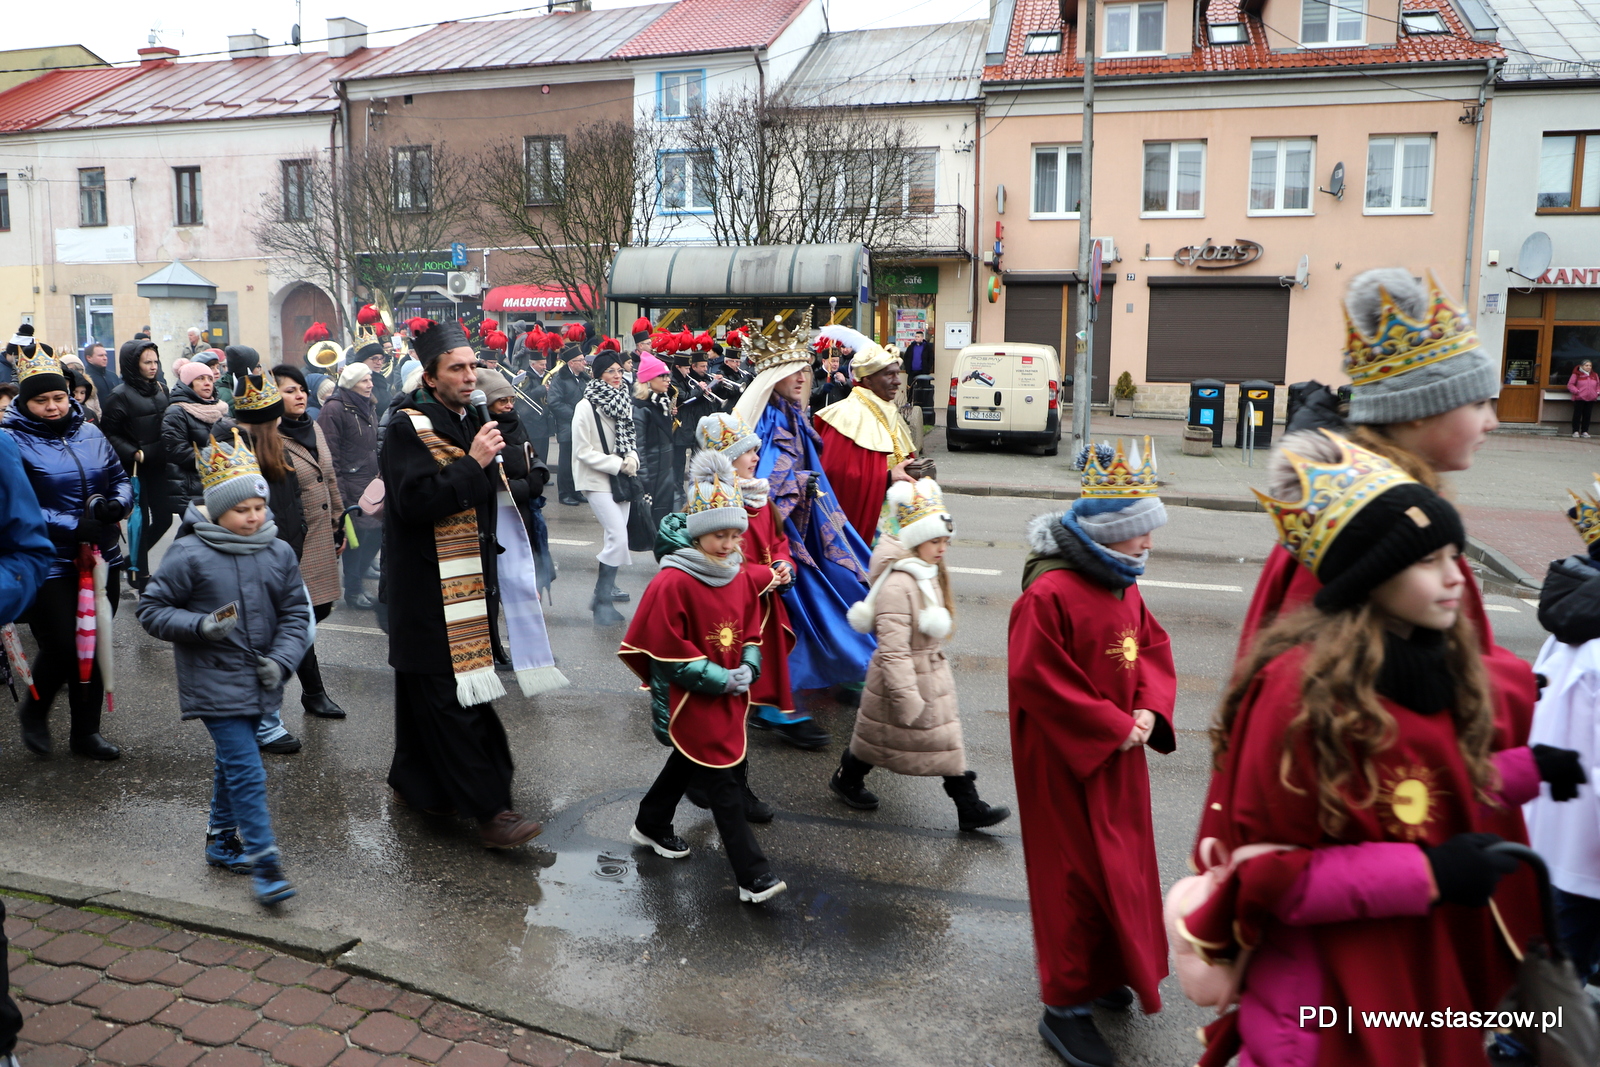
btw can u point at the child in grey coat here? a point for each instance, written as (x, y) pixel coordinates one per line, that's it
(230, 598)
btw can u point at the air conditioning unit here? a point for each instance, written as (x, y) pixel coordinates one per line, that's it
(463, 283)
(1108, 249)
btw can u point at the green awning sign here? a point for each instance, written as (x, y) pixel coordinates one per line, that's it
(911, 280)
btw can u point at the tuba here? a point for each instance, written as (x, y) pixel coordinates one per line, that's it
(324, 356)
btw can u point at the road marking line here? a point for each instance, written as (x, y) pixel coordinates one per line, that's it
(1529, 601)
(341, 628)
(574, 544)
(973, 570)
(1502, 607)
(1192, 585)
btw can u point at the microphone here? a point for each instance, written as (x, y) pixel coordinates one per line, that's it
(479, 400)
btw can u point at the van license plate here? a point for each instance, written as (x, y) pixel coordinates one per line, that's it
(980, 415)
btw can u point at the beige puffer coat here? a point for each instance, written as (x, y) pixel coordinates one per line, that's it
(908, 721)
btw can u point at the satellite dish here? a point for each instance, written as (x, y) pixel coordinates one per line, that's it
(1534, 259)
(1302, 273)
(1335, 187)
(294, 35)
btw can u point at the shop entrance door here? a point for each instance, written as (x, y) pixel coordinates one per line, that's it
(1522, 394)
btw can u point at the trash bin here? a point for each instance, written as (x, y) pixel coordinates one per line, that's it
(1261, 395)
(1205, 406)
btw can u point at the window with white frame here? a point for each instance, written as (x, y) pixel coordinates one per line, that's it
(1174, 178)
(1423, 22)
(1136, 29)
(1333, 22)
(1057, 181)
(1036, 44)
(679, 93)
(687, 181)
(413, 177)
(1400, 175)
(1280, 176)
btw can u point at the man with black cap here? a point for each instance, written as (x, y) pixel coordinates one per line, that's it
(438, 457)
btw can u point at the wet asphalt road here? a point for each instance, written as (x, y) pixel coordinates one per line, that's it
(900, 942)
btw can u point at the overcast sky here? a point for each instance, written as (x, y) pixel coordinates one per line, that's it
(115, 30)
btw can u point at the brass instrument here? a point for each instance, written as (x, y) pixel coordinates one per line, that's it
(324, 355)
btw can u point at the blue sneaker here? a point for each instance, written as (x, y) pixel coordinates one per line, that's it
(225, 850)
(267, 879)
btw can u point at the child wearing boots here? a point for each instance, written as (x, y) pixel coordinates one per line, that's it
(695, 642)
(230, 598)
(908, 720)
(1091, 683)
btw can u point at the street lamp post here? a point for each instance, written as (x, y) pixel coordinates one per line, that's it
(1083, 364)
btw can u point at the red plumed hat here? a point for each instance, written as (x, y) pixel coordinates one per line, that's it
(318, 332)
(704, 342)
(417, 326)
(379, 329)
(641, 328)
(547, 341)
(608, 344)
(369, 315)
(575, 332)
(735, 337)
(486, 327)
(664, 342)
(497, 340)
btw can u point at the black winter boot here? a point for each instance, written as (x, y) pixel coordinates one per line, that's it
(849, 783)
(604, 613)
(313, 696)
(971, 812)
(35, 726)
(755, 809)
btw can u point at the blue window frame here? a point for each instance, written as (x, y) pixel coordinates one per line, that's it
(688, 182)
(679, 93)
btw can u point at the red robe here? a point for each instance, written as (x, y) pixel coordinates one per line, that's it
(1452, 957)
(765, 544)
(1082, 660)
(681, 619)
(860, 479)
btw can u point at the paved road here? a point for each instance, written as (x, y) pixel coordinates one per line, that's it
(900, 942)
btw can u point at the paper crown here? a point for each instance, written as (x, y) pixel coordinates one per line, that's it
(1585, 515)
(919, 513)
(41, 362)
(775, 345)
(1126, 477)
(1402, 343)
(713, 494)
(258, 393)
(219, 463)
(726, 432)
(1331, 494)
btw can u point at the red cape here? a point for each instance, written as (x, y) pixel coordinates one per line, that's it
(860, 479)
(681, 619)
(1081, 660)
(765, 544)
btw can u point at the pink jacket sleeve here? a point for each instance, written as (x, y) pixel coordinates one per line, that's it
(1375, 880)
(1519, 775)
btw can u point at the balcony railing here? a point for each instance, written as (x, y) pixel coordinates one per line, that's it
(940, 231)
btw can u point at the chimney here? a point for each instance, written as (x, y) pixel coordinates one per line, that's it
(156, 54)
(246, 45)
(345, 37)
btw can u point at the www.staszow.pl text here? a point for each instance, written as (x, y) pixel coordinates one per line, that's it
(1324, 1017)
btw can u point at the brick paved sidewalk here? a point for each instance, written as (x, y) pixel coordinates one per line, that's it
(102, 989)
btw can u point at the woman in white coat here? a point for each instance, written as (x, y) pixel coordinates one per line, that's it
(602, 446)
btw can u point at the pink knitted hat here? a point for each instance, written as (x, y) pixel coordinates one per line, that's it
(650, 367)
(192, 370)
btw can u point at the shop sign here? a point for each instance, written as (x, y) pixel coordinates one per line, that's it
(1570, 276)
(910, 280)
(1218, 257)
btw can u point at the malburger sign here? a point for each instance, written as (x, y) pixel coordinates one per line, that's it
(1208, 256)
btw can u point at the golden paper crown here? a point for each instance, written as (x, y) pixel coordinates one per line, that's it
(219, 463)
(775, 345)
(1331, 494)
(1586, 515)
(711, 495)
(1124, 478)
(41, 362)
(926, 498)
(722, 430)
(256, 397)
(1402, 343)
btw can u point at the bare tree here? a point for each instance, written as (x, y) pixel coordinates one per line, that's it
(364, 221)
(573, 199)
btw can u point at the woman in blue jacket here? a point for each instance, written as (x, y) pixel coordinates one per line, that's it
(83, 492)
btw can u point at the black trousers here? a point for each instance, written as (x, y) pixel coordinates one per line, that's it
(1581, 410)
(155, 510)
(723, 789)
(10, 1017)
(310, 672)
(54, 622)
(565, 489)
(447, 756)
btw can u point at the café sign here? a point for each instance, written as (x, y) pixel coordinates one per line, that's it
(1570, 276)
(1208, 256)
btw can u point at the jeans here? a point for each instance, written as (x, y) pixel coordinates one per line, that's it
(723, 790)
(1578, 918)
(239, 793)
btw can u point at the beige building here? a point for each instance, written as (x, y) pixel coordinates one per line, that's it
(1269, 142)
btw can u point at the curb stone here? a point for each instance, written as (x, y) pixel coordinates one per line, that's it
(1517, 581)
(356, 957)
(1206, 503)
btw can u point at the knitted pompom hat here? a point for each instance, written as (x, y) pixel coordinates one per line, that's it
(715, 502)
(919, 512)
(229, 475)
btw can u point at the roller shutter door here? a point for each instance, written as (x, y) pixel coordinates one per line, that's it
(1217, 331)
(1034, 313)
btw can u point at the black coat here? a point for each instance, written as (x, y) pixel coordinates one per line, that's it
(181, 434)
(1569, 603)
(700, 396)
(349, 424)
(418, 493)
(526, 472)
(917, 358)
(825, 391)
(565, 390)
(131, 419)
(654, 441)
(535, 411)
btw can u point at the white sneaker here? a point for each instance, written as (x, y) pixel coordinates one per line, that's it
(764, 889)
(670, 847)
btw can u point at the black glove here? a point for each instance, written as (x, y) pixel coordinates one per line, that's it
(1464, 869)
(1561, 767)
(90, 531)
(104, 509)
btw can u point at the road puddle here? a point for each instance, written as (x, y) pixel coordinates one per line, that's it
(591, 895)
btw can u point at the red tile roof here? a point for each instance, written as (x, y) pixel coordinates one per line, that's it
(1268, 48)
(714, 26)
(38, 99)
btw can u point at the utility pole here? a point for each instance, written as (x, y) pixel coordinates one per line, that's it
(1083, 365)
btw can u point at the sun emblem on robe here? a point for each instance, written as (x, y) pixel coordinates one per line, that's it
(1408, 801)
(1124, 651)
(724, 635)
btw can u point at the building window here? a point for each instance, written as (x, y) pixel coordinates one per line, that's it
(5, 202)
(1057, 181)
(679, 92)
(296, 190)
(1227, 33)
(1333, 22)
(92, 196)
(1400, 175)
(545, 158)
(687, 181)
(188, 195)
(93, 315)
(1174, 178)
(1569, 173)
(917, 187)
(1038, 44)
(1423, 22)
(413, 177)
(1280, 177)
(1135, 29)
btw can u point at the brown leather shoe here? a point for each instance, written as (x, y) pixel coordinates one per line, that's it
(508, 830)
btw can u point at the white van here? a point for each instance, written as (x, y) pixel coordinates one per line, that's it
(1005, 394)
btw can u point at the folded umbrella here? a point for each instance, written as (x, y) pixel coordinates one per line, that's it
(85, 617)
(16, 658)
(135, 523)
(104, 651)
